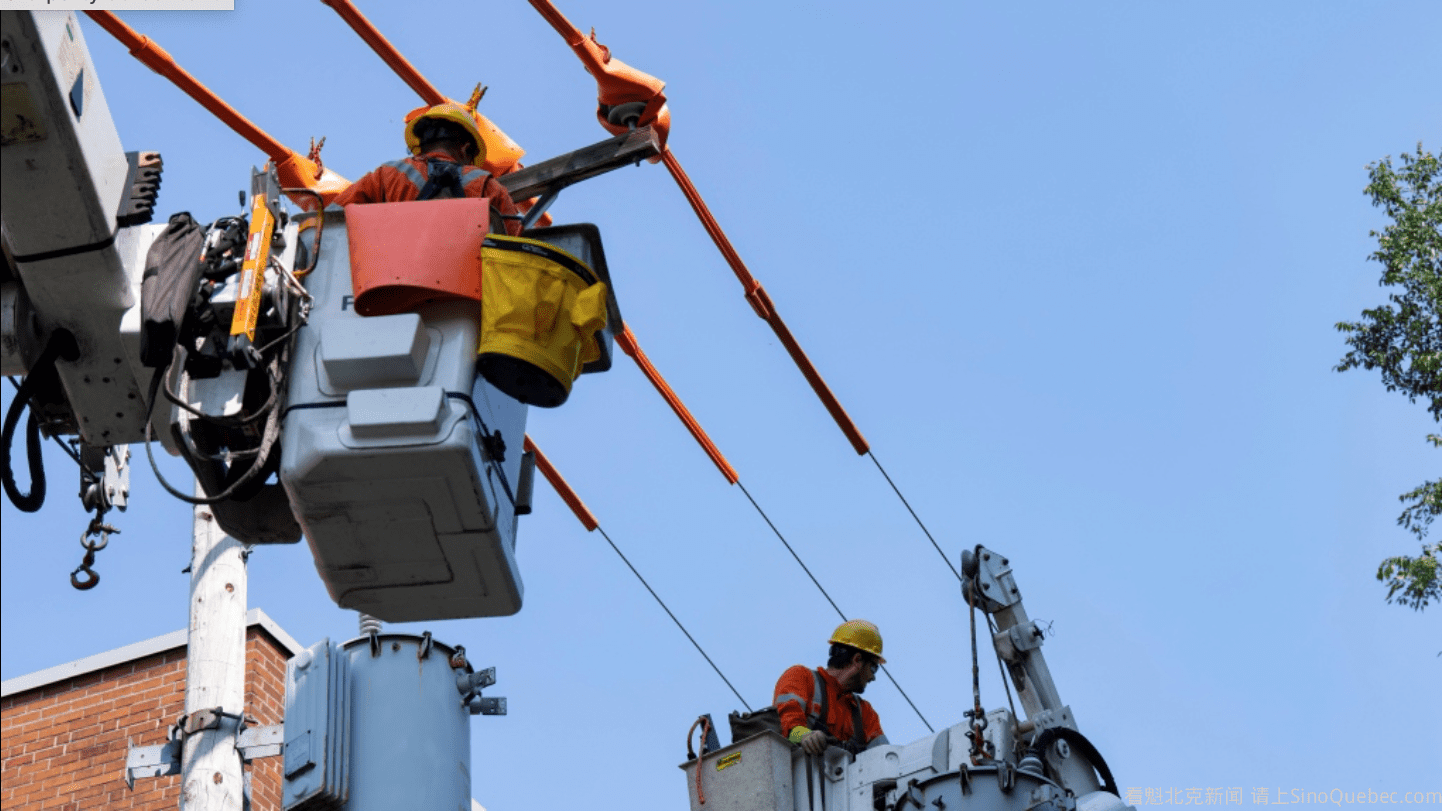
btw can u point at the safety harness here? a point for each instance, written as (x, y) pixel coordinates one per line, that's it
(442, 176)
(821, 722)
(445, 179)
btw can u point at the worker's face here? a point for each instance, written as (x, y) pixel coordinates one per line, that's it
(864, 668)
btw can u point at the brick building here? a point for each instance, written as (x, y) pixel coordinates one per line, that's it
(64, 730)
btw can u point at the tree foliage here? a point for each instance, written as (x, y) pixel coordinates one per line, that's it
(1403, 340)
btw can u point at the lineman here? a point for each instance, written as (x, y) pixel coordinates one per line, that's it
(816, 705)
(447, 155)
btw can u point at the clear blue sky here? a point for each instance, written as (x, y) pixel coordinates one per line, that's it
(1073, 269)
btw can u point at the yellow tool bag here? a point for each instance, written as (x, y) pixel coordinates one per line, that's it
(541, 309)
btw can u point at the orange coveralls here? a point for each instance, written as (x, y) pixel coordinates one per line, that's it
(796, 687)
(400, 181)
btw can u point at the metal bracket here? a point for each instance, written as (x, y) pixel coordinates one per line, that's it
(1060, 717)
(208, 719)
(152, 761)
(992, 572)
(260, 742)
(489, 706)
(1006, 775)
(469, 684)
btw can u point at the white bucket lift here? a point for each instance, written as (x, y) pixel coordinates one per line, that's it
(400, 462)
(991, 761)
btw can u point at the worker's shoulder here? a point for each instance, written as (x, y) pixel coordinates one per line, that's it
(797, 672)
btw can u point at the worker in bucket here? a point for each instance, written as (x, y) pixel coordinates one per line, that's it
(817, 706)
(447, 159)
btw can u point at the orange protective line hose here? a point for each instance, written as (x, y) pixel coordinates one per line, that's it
(293, 170)
(630, 345)
(155, 57)
(555, 18)
(759, 300)
(387, 51)
(632, 84)
(560, 485)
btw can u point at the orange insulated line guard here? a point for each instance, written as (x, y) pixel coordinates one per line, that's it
(560, 485)
(293, 170)
(630, 345)
(759, 300)
(620, 84)
(394, 59)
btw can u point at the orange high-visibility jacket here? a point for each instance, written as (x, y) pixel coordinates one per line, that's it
(399, 181)
(796, 690)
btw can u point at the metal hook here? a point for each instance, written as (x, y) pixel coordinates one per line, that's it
(92, 578)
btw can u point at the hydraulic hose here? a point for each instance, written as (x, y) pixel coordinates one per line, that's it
(1076, 739)
(60, 345)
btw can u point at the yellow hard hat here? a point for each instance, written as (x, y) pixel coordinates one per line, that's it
(447, 111)
(860, 634)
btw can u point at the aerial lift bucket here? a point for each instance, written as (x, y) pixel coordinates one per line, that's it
(542, 308)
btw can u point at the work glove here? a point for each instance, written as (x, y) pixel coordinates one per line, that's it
(815, 743)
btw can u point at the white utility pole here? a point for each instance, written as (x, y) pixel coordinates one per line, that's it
(215, 666)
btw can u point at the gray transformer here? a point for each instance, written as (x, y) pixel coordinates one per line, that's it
(400, 463)
(382, 722)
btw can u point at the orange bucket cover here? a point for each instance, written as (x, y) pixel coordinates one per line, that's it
(405, 255)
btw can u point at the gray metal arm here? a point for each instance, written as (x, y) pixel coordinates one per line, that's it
(1018, 641)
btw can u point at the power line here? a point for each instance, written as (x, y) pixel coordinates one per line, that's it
(673, 618)
(827, 597)
(906, 502)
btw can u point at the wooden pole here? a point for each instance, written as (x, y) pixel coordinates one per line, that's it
(211, 776)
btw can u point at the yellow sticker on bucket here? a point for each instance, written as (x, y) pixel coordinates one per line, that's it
(729, 760)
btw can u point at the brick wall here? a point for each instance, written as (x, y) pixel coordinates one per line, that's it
(63, 745)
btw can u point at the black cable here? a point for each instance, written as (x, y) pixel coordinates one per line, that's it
(1078, 740)
(827, 597)
(61, 344)
(990, 623)
(906, 502)
(225, 421)
(485, 440)
(792, 552)
(258, 468)
(32, 501)
(69, 452)
(673, 618)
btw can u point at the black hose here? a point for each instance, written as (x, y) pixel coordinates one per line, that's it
(1079, 741)
(61, 344)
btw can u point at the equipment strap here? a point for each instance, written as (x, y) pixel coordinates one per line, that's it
(442, 176)
(821, 722)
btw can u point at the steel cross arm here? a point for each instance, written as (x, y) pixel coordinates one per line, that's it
(581, 164)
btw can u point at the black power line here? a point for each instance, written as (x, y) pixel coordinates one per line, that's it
(906, 502)
(827, 597)
(673, 618)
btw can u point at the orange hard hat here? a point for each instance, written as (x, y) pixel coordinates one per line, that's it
(860, 634)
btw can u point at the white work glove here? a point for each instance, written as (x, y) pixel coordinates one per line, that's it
(815, 743)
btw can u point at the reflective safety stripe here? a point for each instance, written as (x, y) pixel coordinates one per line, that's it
(468, 173)
(410, 171)
(783, 698)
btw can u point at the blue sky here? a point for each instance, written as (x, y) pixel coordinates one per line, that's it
(1072, 268)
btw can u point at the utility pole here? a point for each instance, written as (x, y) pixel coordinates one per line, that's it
(211, 776)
